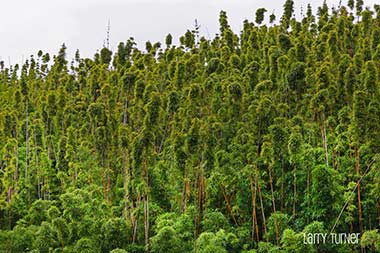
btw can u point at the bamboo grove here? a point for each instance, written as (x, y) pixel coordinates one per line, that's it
(240, 143)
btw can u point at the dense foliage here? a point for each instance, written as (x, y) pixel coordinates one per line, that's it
(241, 143)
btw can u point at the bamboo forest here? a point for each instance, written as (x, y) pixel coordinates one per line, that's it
(245, 142)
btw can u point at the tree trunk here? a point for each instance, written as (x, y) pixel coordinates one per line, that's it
(109, 191)
(125, 161)
(261, 202)
(37, 170)
(165, 133)
(135, 220)
(146, 207)
(125, 112)
(254, 216)
(324, 140)
(104, 178)
(273, 202)
(26, 145)
(308, 193)
(201, 195)
(357, 168)
(282, 186)
(294, 190)
(185, 191)
(199, 184)
(228, 205)
(126, 180)
(15, 177)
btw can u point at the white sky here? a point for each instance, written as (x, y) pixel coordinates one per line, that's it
(27, 26)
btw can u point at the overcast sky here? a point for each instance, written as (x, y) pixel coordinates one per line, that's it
(27, 26)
